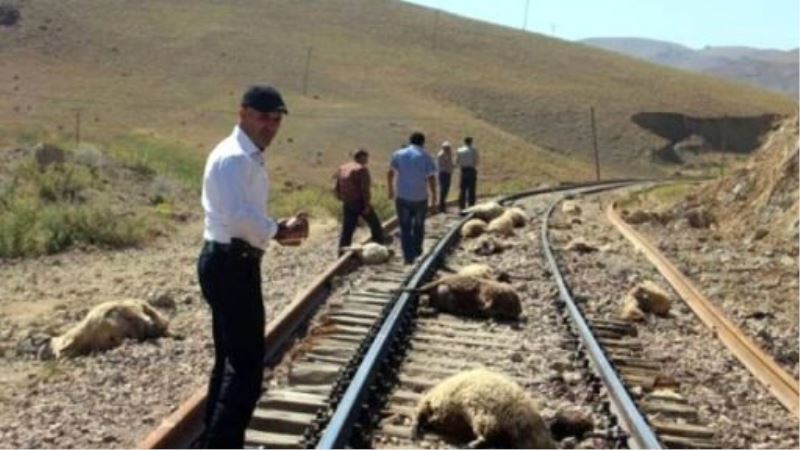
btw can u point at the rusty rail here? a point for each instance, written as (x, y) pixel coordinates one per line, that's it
(758, 362)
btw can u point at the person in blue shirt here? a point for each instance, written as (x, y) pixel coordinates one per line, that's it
(411, 178)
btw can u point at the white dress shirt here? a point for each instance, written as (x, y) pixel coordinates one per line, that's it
(467, 157)
(235, 193)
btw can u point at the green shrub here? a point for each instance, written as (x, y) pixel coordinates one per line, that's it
(63, 182)
(316, 201)
(31, 228)
(149, 155)
(321, 202)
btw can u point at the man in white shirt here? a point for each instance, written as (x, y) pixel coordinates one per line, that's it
(237, 230)
(467, 162)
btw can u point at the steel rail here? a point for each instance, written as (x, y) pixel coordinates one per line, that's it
(758, 362)
(634, 422)
(182, 427)
(339, 429)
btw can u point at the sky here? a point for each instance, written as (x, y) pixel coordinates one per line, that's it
(693, 23)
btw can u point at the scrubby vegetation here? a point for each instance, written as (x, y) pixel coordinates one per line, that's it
(45, 210)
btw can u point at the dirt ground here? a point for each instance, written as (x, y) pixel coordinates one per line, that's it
(113, 399)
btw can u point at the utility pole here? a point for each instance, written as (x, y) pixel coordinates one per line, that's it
(435, 28)
(724, 144)
(305, 76)
(77, 129)
(594, 144)
(525, 17)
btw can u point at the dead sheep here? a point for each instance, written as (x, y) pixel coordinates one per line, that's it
(645, 298)
(503, 225)
(630, 309)
(473, 297)
(486, 245)
(518, 216)
(478, 270)
(108, 324)
(580, 245)
(651, 298)
(485, 406)
(571, 422)
(473, 228)
(372, 253)
(486, 211)
(483, 271)
(571, 208)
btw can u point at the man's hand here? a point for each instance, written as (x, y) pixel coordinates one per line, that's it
(366, 210)
(292, 231)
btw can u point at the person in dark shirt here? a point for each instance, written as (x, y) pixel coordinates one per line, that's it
(352, 187)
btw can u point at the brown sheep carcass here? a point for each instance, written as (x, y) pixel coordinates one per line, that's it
(108, 324)
(486, 406)
(473, 297)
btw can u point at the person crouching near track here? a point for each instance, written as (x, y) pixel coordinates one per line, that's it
(353, 187)
(237, 230)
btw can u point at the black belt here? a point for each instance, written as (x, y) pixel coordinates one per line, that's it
(237, 247)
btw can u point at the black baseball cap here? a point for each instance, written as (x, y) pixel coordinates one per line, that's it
(264, 98)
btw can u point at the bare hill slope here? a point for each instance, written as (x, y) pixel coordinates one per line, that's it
(172, 71)
(761, 196)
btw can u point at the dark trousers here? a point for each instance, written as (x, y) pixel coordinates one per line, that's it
(351, 211)
(231, 284)
(411, 217)
(466, 190)
(444, 188)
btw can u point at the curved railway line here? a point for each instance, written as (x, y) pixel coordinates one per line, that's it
(351, 356)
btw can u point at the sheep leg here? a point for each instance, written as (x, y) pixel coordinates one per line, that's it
(478, 442)
(420, 419)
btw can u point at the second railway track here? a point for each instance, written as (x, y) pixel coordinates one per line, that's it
(366, 357)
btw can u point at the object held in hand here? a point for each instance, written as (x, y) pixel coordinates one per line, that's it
(296, 231)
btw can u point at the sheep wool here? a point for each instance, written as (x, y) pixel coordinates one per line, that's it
(108, 324)
(486, 211)
(372, 253)
(486, 406)
(476, 271)
(473, 228)
(473, 297)
(630, 309)
(651, 298)
(503, 225)
(518, 216)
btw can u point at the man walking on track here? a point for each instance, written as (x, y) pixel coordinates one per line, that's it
(237, 230)
(444, 164)
(413, 170)
(353, 186)
(467, 162)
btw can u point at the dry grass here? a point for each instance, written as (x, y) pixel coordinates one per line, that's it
(166, 76)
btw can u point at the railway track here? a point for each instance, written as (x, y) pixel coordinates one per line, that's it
(351, 372)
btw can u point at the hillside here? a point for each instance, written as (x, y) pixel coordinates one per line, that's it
(167, 77)
(760, 197)
(776, 70)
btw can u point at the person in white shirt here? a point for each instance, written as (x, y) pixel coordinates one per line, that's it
(444, 164)
(237, 230)
(467, 162)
